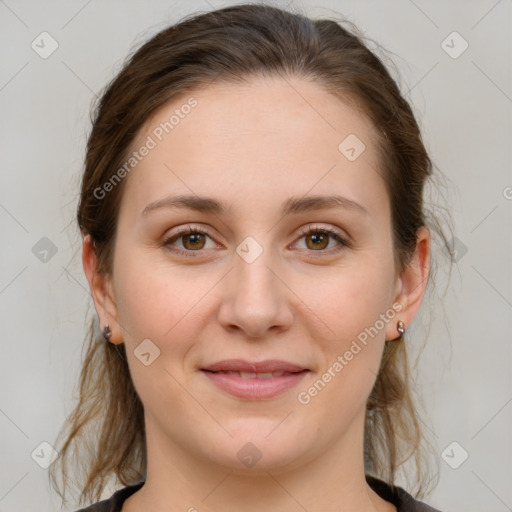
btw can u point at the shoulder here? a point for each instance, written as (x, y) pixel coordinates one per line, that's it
(402, 500)
(115, 502)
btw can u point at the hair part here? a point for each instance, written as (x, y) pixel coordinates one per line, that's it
(105, 432)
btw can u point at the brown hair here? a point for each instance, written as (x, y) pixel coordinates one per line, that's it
(104, 435)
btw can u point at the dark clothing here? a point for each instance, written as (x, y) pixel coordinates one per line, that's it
(402, 500)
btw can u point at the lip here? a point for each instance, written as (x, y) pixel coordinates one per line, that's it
(254, 388)
(241, 365)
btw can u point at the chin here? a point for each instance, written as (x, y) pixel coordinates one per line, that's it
(258, 447)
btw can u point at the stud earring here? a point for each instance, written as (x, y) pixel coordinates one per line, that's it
(400, 327)
(107, 333)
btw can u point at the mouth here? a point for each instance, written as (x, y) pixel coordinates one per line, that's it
(254, 375)
(254, 380)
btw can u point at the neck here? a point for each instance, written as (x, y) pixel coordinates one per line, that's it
(333, 480)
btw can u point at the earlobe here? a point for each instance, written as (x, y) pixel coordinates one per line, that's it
(412, 283)
(101, 290)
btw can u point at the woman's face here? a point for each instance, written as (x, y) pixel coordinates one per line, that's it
(246, 284)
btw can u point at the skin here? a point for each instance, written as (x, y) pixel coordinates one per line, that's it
(253, 146)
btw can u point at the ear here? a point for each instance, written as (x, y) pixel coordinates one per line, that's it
(412, 283)
(101, 291)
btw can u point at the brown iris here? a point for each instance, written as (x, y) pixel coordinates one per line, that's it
(320, 240)
(195, 239)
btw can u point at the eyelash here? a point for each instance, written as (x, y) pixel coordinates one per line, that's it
(309, 230)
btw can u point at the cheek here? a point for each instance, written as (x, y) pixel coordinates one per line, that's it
(343, 383)
(167, 305)
(158, 301)
(350, 299)
(155, 305)
(142, 302)
(355, 308)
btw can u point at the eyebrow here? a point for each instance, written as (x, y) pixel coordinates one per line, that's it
(293, 205)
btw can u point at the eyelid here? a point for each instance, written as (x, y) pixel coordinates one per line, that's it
(319, 227)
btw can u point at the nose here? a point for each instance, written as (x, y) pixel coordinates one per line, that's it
(256, 299)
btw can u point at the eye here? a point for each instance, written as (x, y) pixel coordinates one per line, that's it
(317, 239)
(193, 241)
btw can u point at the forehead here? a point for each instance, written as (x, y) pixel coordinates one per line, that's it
(265, 138)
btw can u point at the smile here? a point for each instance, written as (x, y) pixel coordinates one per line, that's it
(254, 386)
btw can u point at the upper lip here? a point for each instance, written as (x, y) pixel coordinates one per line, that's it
(241, 365)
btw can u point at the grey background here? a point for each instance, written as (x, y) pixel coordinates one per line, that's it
(464, 106)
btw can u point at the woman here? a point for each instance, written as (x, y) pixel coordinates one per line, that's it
(256, 246)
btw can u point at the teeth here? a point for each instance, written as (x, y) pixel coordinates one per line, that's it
(252, 375)
(267, 375)
(247, 375)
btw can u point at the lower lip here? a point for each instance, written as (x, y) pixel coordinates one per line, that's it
(255, 389)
